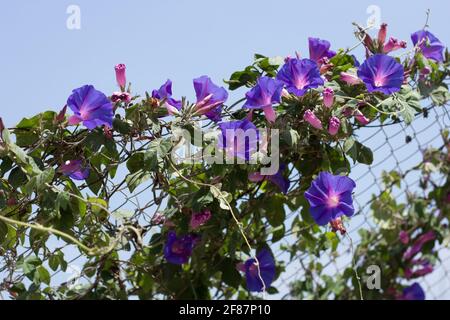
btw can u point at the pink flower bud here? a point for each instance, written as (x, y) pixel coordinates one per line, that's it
(311, 118)
(394, 44)
(404, 237)
(121, 96)
(120, 75)
(382, 34)
(61, 115)
(360, 117)
(328, 97)
(270, 114)
(333, 127)
(350, 78)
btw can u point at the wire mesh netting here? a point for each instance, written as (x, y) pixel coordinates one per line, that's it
(396, 146)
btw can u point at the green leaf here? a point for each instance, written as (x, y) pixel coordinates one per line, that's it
(440, 96)
(136, 179)
(39, 181)
(358, 152)
(230, 276)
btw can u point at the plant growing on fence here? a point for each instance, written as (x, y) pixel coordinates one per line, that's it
(103, 176)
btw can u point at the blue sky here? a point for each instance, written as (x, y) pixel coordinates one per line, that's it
(42, 61)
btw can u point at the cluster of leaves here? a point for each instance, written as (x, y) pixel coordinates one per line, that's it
(44, 213)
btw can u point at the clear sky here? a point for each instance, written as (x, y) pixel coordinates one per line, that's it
(42, 60)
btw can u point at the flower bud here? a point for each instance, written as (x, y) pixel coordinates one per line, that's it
(121, 76)
(360, 117)
(350, 78)
(328, 97)
(382, 34)
(311, 118)
(394, 44)
(333, 127)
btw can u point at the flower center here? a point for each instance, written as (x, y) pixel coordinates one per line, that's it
(177, 247)
(253, 269)
(333, 201)
(301, 82)
(379, 81)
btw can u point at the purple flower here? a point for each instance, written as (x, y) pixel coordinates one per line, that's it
(165, 92)
(418, 244)
(278, 179)
(91, 107)
(200, 218)
(177, 250)
(120, 75)
(419, 268)
(413, 292)
(381, 73)
(355, 61)
(210, 98)
(266, 271)
(262, 96)
(74, 169)
(403, 237)
(431, 47)
(333, 127)
(311, 118)
(330, 197)
(319, 49)
(239, 138)
(299, 75)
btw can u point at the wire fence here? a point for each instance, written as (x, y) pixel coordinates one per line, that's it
(398, 147)
(395, 146)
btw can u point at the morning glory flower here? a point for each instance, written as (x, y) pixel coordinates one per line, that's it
(91, 107)
(266, 271)
(299, 75)
(431, 47)
(278, 179)
(418, 244)
(165, 92)
(200, 218)
(381, 73)
(239, 138)
(178, 250)
(74, 169)
(330, 197)
(210, 98)
(413, 292)
(319, 49)
(266, 93)
(418, 268)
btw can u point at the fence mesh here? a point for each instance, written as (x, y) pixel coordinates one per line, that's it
(396, 146)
